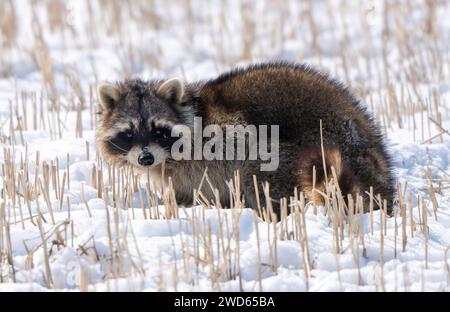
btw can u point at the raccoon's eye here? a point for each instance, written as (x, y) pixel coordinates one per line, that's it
(127, 136)
(163, 134)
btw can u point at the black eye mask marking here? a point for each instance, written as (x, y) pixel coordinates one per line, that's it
(162, 135)
(121, 143)
(126, 136)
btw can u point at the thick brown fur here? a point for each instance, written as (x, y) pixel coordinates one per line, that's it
(296, 98)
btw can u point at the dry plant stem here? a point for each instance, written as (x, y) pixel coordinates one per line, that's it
(258, 252)
(432, 194)
(255, 184)
(4, 224)
(425, 231)
(48, 272)
(323, 152)
(61, 192)
(83, 197)
(411, 215)
(403, 216)
(371, 210)
(47, 201)
(395, 232)
(304, 235)
(382, 211)
(87, 151)
(108, 231)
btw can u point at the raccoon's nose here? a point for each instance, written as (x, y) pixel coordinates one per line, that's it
(146, 159)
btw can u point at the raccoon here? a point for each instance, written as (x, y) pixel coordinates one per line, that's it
(324, 133)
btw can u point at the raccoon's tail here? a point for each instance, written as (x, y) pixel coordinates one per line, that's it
(313, 176)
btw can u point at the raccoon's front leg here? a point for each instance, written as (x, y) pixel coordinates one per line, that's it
(204, 177)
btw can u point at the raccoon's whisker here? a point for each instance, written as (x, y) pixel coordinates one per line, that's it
(117, 146)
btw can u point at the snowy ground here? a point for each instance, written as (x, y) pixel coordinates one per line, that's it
(90, 245)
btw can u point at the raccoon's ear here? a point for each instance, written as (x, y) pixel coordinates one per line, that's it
(172, 90)
(108, 95)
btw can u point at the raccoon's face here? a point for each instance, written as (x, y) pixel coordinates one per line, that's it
(137, 119)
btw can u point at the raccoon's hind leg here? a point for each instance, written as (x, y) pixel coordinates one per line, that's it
(313, 176)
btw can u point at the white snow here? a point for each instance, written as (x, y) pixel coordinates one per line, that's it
(211, 249)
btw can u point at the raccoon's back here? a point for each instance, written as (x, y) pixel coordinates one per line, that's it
(296, 97)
